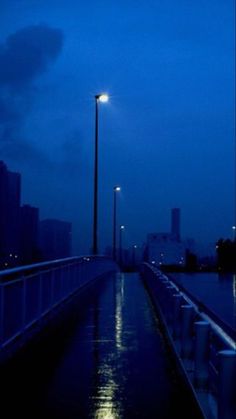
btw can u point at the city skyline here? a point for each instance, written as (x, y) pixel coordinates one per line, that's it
(166, 135)
(24, 237)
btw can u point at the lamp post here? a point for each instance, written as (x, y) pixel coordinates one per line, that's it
(98, 98)
(115, 190)
(122, 227)
(134, 258)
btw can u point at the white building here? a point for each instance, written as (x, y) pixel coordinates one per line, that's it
(168, 248)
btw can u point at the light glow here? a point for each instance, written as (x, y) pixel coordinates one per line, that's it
(103, 98)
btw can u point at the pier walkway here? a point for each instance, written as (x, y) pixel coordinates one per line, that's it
(104, 357)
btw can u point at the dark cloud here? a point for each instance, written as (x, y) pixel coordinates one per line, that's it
(24, 56)
(72, 154)
(27, 53)
(7, 113)
(22, 151)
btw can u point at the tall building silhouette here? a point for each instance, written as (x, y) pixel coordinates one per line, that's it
(10, 196)
(29, 229)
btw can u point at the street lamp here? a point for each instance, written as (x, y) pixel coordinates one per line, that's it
(122, 227)
(134, 259)
(98, 98)
(115, 190)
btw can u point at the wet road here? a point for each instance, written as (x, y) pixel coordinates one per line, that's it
(106, 359)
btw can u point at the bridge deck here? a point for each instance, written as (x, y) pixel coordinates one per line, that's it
(106, 358)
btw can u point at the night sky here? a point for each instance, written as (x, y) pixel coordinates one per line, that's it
(166, 135)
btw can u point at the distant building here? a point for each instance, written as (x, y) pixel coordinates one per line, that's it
(164, 249)
(167, 248)
(29, 230)
(55, 239)
(10, 196)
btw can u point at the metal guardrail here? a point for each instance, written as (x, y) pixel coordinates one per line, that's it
(206, 353)
(29, 293)
(204, 308)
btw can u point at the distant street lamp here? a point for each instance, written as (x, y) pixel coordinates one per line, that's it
(134, 258)
(122, 227)
(115, 190)
(98, 98)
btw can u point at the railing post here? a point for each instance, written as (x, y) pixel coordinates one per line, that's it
(1, 313)
(163, 284)
(227, 385)
(54, 288)
(187, 314)
(50, 290)
(177, 301)
(201, 350)
(23, 300)
(170, 291)
(40, 300)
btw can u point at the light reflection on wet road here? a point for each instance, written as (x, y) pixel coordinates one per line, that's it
(113, 363)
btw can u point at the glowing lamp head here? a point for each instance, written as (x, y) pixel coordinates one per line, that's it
(102, 98)
(117, 188)
(234, 227)
(122, 227)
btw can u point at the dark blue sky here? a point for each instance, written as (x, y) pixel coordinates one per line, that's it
(167, 134)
